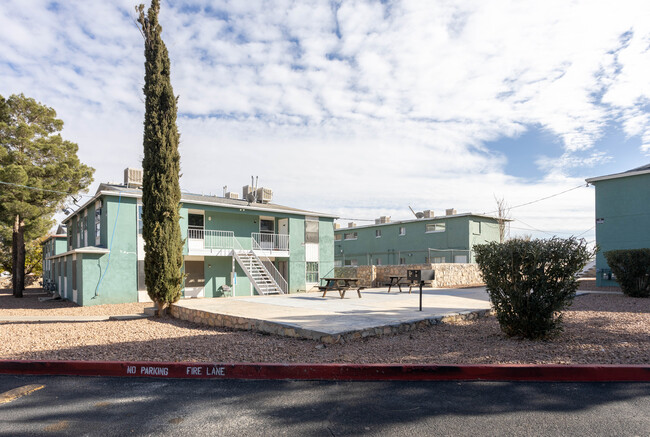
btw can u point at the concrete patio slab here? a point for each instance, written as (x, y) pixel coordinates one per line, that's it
(332, 319)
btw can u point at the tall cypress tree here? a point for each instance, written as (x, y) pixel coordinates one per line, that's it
(161, 192)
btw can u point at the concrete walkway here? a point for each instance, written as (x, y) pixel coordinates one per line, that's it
(332, 319)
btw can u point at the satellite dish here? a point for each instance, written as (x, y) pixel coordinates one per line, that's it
(419, 215)
(250, 197)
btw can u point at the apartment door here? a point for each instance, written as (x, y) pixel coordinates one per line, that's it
(195, 279)
(283, 231)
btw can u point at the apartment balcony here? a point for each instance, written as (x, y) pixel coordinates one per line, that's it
(222, 243)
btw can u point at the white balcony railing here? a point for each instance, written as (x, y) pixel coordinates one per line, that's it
(204, 239)
(265, 241)
(212, 239)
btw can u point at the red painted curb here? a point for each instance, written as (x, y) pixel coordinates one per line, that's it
(334, 372)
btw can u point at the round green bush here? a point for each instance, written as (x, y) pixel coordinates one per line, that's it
(531, 281)
(632, 270)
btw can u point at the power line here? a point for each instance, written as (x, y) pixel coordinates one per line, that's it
(539, 200)
(43, 189)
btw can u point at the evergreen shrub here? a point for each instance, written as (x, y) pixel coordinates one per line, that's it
(632, 270)
(531, 281)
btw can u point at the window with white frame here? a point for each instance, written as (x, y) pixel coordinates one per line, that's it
(377, 233)
(79, 234)
(311, 270)
(402, 230)
(351, 262)
(84, 224)
(350, 236)
(402, 261)
(98, 222)
(311, 231)
(435, 227)
(338, 237)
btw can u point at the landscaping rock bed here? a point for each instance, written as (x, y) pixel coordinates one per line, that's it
(599, 329)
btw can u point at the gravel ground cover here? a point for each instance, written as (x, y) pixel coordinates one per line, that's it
(599, 329)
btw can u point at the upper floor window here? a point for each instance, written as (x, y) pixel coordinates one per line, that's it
(377, 233)
(435, 227)
(402, 230)
(311, 231)
(98, 221)
(350, 236)
(267, 226)
(338, 237)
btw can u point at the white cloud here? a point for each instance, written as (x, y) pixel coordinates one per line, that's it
(357, 107)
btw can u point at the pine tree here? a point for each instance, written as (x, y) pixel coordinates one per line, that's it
(161, 193)
(39, 171)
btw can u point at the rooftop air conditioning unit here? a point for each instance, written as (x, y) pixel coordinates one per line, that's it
(264, 195)
(428, 213)
(384, 219)
(231, 195)
(337, 225)
(352, 225)
(133, 177)
(450, 211)
(246, 191)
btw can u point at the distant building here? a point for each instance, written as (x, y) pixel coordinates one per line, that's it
(232, 247)
(622, 215)
(53, 244)
(446, 239)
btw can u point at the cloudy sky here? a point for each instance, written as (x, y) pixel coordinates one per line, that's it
(358, 108)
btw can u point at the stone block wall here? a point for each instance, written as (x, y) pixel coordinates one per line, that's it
(366, 274)
(447, 275)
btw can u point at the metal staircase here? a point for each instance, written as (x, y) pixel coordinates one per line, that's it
(258, 274)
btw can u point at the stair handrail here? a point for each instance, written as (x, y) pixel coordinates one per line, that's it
(275, 274)
(249, 275)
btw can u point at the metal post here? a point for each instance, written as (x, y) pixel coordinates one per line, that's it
(421, 283)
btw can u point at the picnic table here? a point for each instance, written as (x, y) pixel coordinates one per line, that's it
(398, 281)
(341, 285)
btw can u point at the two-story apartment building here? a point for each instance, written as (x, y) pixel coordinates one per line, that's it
(429, 239)
(53, 244)
(232, 247)
(622, 216)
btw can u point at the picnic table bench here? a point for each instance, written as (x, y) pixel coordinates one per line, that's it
(398, 281)
(341, 285)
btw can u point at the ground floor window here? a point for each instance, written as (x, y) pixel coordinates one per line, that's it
(351, 262)
(312, 272)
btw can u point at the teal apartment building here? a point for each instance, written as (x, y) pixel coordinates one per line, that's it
(622, 216)
(232, 247)
(53, 244)
(429, 239)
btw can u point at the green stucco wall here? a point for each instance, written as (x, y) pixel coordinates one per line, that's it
(119, 282)
(623, 206)
(326, 247)
(297, 251)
